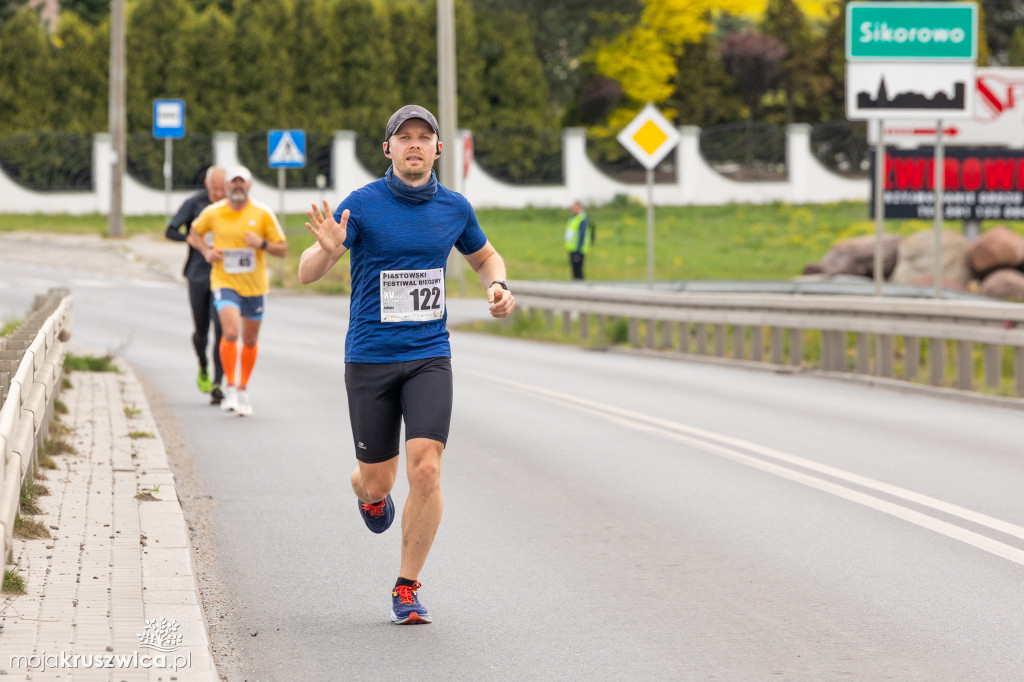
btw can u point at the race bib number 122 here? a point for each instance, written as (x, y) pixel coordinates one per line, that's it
(411, 295)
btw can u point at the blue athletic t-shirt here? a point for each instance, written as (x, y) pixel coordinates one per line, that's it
(386, 233)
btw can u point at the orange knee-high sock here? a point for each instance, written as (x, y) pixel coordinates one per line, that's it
(228, 359)
(248, 360)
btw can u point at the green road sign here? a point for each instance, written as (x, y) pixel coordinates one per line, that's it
(912, 31)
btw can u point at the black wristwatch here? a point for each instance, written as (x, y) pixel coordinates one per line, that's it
(501, 282)
(264, 247)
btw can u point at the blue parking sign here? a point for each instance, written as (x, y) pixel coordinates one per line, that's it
(169, 118)
(286, 148)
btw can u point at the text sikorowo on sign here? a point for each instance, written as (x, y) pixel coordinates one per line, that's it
(979, 184)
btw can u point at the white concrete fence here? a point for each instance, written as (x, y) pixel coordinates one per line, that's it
(697, 183)
(31, 370)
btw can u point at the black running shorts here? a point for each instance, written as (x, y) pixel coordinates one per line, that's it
(380, 395)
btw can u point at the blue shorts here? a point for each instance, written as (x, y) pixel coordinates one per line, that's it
(251, 306)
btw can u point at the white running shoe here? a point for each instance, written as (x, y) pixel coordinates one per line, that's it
(230, 401)
(244, 408)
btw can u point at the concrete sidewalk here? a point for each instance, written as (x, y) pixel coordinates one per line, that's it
(116, 578)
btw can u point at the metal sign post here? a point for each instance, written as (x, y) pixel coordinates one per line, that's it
(650, 228)
(879, 208)
(649, 138)
(285, 149)
(940, 179)
(169, 124)
(168, 165)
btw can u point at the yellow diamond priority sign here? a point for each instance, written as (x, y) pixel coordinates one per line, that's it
(649, 137)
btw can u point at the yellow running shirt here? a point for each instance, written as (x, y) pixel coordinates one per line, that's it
(243, 268)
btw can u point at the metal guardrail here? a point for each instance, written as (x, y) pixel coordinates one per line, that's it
(31, 370)
(892, 338)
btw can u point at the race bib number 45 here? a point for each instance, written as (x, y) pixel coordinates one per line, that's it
(237, 261)
(411, 295)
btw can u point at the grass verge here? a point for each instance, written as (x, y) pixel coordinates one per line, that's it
(89, 363)
(733, 242)
(13, 582)
(29, 529)
(9, 325)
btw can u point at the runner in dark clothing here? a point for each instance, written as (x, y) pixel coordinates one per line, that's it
(197, 272)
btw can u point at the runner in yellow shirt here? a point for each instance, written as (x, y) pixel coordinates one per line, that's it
(244, 231)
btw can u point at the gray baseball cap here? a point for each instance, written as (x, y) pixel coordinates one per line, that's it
(404, 114)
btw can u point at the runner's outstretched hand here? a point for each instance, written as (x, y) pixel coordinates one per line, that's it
(329, 234)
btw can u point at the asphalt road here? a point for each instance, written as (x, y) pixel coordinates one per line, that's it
(607, 516)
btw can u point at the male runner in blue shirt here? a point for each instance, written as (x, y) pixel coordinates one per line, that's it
(400, 230)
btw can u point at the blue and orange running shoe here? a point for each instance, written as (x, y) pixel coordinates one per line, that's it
(378, 517)
(406, 608)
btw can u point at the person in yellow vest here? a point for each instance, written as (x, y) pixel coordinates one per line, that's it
(579, 237)
(244, 230)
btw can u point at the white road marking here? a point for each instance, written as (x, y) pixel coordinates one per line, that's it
(726, 446)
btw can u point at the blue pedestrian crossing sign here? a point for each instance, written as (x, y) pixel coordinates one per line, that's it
(169, 119)
(286, 148)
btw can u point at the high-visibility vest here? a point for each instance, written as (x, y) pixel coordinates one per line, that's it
(572, 234)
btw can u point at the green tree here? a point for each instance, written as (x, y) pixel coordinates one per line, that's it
(562, 33)
(984, 52)
(703, 92)
(514, 86)
(754, 61)
(316, 107)
(831, 64)
(1000, 19)
(26, 99)
(520, 137)
(474, 107)
(92, 11)
(156, 62)
(81, 75)
(8, 8)
(363, 76)
(416, 80)
(206, 41)
(644, 59)
(225, 6)
(1015, 51)
(259, 70)
(784, 21)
